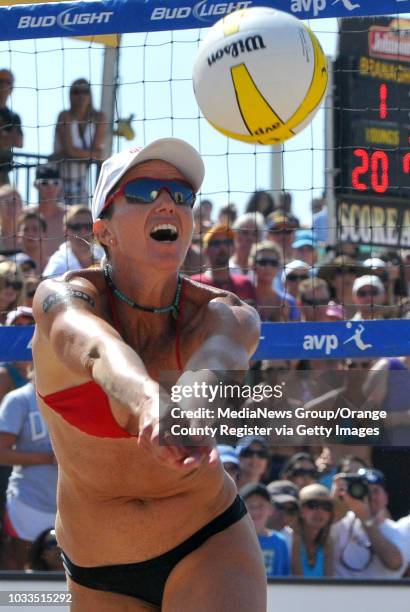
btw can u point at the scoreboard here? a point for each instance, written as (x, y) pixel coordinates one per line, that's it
(372, 131)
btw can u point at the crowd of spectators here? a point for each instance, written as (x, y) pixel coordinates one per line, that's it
(307, 522)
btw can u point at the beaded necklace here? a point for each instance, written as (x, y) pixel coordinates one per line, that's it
(172, 308)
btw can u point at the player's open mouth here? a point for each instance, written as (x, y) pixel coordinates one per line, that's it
(165, 232)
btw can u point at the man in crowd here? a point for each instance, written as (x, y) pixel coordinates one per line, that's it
(366, 544)
(218, 247)
(11, 134)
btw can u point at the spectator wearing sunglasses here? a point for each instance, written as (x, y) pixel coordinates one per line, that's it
(45, 554)
(11, 288)
(285, 501)
(32, 232)
(218, 247)
(10, 208)
(369, 295)
(49, 186)
(312, 546)
(340, 273)
(79, 139)
(79, 251)
(366, 544)
(254, 459)
(273, 545)
(230, 461)
(11, 134)
(300, 469)
(265, 260)
(313, 299)
(104, 337)
(281, 230)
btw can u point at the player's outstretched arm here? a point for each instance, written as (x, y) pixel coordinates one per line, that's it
(69, 316)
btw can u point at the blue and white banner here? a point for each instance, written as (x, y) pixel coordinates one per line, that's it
(120, 16)
(354, 339)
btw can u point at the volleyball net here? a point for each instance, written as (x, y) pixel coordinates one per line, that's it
(353, 161)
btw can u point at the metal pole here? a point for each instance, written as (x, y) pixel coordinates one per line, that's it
(277, 171)
(109, 90)
(330, 197)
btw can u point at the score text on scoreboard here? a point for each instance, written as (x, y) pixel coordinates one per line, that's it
(372, 131)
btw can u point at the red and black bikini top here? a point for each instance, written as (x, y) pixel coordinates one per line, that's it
(86, 406)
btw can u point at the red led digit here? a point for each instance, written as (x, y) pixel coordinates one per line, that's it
(359, 170)
(379, 174)
(383, 101)
(406, 163)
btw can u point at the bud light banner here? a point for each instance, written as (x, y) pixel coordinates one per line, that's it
(347, 339)
(120, 16)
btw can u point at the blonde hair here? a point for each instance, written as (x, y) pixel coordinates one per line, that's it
(9, 270)
(75, 210)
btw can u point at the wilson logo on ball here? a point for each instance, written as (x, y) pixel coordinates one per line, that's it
(252, 43)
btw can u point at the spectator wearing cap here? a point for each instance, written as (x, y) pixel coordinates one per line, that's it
(248, 229)
(305, 247)
(11, 134)
(312, 546)
(79, 251)
(285, 500)
(386, 273)
(218, 246)
(261, 202)
(26, 265)
(273, 545)
(230, 461)
(266, 259)
(300, 469)
(368, 295)
(294, 273)
(32, 233)
(281, 229)
(340, 274)
(254, 459)
(313, 300)
(49, 186)
(366, 544)
(334, 312)
(10, 208)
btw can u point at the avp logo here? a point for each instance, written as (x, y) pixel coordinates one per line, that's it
(357, 337)
(347, 4)
(330, 342)
(66, 19)
(201, 10)
(317, 6)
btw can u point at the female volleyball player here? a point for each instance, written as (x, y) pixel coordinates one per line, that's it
(142, 525)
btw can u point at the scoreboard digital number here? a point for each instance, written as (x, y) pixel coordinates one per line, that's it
(372, 131)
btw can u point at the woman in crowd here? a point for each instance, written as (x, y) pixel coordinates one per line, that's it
(262, 202)
(32, 230)
(312, 552)
(11, 286)
(79, 138)
(265, 260)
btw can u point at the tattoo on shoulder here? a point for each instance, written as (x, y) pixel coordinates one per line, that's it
(66, 297)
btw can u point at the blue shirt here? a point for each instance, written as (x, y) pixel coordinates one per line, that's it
(34, 485)
(318, 570)
(275, 554)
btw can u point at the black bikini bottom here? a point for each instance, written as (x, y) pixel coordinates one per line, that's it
(146, 580)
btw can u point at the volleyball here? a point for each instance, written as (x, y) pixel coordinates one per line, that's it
(260, 75)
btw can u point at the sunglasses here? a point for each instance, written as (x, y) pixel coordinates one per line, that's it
(146, 191)
(6, 81)
(368, 292)
(77, 91)
(46, 181)
(303, 472)
(289, 509)
(267, 262)
(296, 277)
(16, 285)
(262, 454)
(315, 504)
(77, 227)
(220, 242)
(310, 302)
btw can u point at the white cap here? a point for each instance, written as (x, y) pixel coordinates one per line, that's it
(368, 280)
(374, 263)
(172, 150)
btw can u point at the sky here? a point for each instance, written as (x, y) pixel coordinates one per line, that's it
(155, 85)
